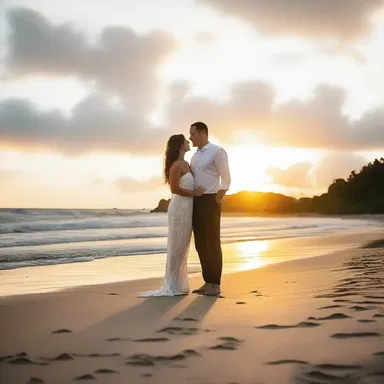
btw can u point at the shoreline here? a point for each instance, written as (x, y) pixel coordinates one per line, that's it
(124, 269)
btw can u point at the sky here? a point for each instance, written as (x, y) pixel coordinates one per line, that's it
(91, 91)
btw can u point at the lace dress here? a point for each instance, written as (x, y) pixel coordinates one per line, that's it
(179, 237)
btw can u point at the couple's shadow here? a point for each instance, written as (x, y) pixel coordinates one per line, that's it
(155, 313)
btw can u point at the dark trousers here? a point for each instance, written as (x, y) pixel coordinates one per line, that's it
(206, 230)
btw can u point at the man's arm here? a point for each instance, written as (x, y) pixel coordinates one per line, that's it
(221, 162)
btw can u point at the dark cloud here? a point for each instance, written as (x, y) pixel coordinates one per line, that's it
(120, 62)
(96, 125)
(93, 126)
(317, 123)
(315, 19)
(295, 176)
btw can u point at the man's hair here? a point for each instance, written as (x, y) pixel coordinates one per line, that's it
(200, 127)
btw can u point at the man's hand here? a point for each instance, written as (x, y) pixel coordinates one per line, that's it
(219, 196)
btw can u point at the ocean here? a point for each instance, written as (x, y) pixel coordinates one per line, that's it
(39, 237)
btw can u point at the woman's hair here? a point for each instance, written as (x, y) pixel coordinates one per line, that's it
(172, 151)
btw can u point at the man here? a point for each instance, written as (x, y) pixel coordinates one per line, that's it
(211, 171)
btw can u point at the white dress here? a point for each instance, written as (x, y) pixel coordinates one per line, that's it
(179, 237)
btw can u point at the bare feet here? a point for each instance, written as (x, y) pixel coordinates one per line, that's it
(201, 289)
(213, 290)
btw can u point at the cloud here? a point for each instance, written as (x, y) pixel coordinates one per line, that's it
(93, 126)
(304, 175)
(123, 66)
(130, 185)
(119, 62)
(97, 125)
(316, 123)
(337, 165)
(119, 65)
(314, 19)
(295, 176)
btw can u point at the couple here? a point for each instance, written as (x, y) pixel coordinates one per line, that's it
(197, 191)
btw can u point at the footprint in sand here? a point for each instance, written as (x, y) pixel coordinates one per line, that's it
(146, 360)
(360, 308)
(87, 376)
(338, 366)
(378, 315)
(116, 339)
(288, 361)
(318, 375)
(332, 306)
(241, 302)
(62, 357)
(185, 319)
(104, 371)
(22, 359)
(374, 297)
(97, 354)
(303, 324)
(152, 340)
(332, 295)
(257, 293)
(366, 321)
(63, 330)
(230, 344)
(369, 302)
(341, 301)
(334, 316)
(182, 330)
(35, 380)
(354, 335)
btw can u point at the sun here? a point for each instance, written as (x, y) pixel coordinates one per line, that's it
(249, 160)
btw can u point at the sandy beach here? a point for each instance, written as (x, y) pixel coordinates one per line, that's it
(311, 320)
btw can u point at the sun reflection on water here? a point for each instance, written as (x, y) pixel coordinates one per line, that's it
(251, 254)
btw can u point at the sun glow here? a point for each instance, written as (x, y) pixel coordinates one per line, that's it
(249, 160)
(251, 252)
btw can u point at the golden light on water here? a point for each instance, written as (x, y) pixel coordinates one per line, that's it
(251, 254)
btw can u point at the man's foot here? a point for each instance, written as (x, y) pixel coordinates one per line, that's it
(213, 290)
(202, 289)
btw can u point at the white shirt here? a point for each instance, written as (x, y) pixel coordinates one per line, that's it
(210, 168)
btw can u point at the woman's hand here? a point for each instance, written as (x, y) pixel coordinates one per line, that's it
(199, 191)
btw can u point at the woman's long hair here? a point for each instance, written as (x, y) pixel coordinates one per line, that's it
(172, 152)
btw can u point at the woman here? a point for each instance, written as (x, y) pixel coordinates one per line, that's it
(177, 173)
